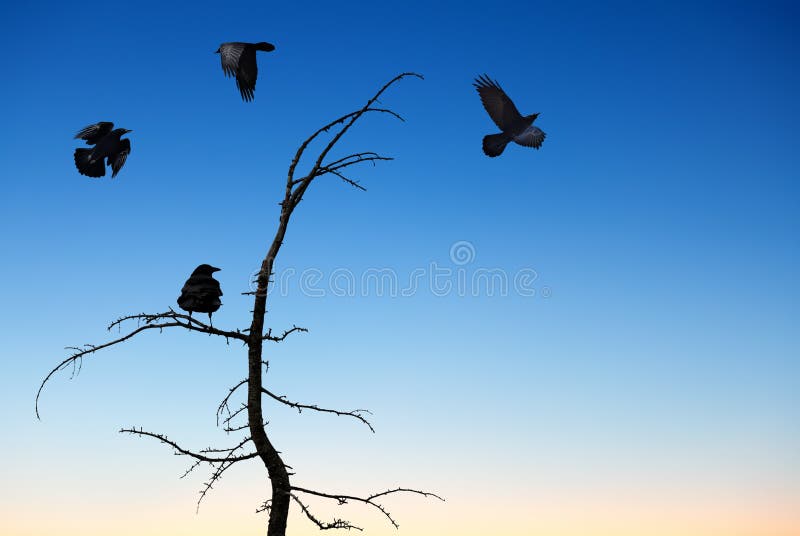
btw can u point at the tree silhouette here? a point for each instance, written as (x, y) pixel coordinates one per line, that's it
(253, 338)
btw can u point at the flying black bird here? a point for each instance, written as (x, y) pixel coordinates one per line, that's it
(107, 144)
(201, 292)
(515, 127)
(239, 59)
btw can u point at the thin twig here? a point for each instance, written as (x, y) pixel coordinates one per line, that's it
(279, 338)
(223, 406)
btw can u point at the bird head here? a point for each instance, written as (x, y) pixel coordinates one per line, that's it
(120, 132)
(205, 269)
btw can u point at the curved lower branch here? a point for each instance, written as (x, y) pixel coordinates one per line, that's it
(151, 321)
(323, 525)
(370, 500)
(196, 455)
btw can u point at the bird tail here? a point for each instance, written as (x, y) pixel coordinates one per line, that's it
(266, 47)
(495, 144)
(85, 165)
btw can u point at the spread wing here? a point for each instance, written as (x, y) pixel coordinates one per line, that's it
(94, 133)
(229, 54)
(247, 73)
(494, 99)
(532, 137)
(122, 155)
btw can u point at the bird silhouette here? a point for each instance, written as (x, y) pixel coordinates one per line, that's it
(239, 60)
(515, 127)
(107, 144)
(201, 292)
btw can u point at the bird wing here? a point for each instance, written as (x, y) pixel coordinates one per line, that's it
(217, 288)
(202, 285)
(532, 137)
(497, 104)
(94, 133)
(122, 155)
(247, 73)
(229, 54)
(200, 293)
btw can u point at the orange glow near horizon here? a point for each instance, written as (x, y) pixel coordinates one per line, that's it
(608, 513)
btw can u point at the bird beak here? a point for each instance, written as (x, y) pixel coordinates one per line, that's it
(213, 269)
(126, 131)
(216, 51)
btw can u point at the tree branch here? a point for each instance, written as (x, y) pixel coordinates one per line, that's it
(347, 121)
(151, 321)
(351, 182)
(280, 338)
(219, 469)
(223, 406)
(220, 465)
(355, 118)
(298, 155)
(355, 158)
(335, 524)
(196, 455)
(370, 500)
(226, 422)
(190, 323)
(356, 413)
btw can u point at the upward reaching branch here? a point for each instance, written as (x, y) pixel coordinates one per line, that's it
(347, 121)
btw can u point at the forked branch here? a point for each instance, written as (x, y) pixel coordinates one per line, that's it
(295, 188)
(220, 465)
(369, 500)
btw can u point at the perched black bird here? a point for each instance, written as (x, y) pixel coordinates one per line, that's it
(201, 292)
(515, 127)
(107, 144)
(239, 59)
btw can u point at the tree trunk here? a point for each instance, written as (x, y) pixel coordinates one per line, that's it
(279, 477)
(279, 511)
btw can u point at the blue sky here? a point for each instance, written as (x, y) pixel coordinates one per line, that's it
(661, 218)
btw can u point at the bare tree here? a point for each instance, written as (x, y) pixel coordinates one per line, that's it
(254, 337)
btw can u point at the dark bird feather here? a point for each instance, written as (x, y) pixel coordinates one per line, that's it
(201, 293)
(239, 60)
(107, 146)
(514, 126)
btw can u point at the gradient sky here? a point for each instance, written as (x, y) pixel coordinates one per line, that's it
(649, 387)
